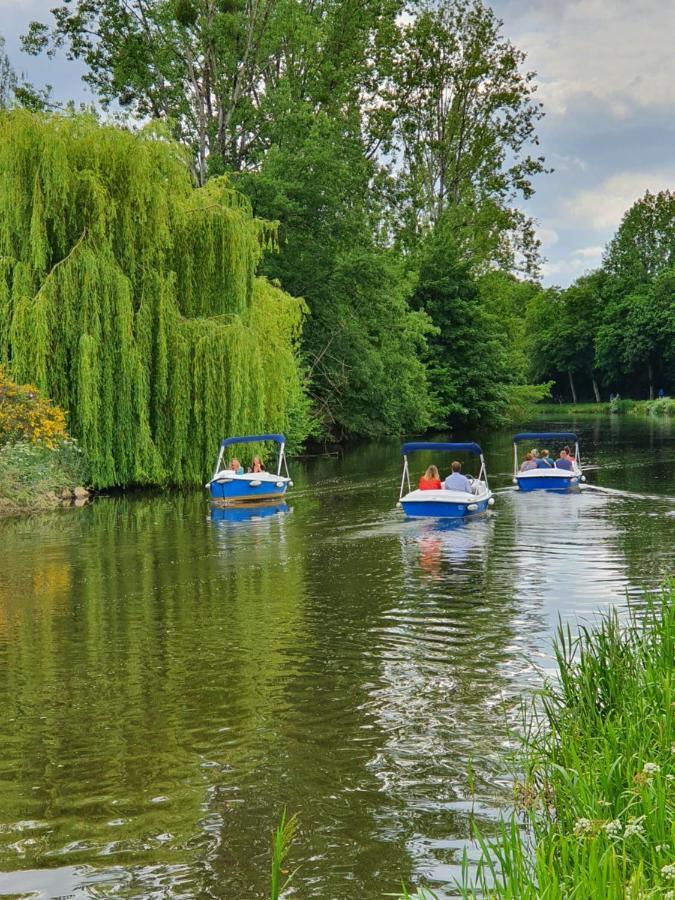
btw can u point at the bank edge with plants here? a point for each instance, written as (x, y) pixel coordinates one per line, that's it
(41, 465)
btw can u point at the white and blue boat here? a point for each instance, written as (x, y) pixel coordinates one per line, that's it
(228, 486)
(547, 479)
(443, 503)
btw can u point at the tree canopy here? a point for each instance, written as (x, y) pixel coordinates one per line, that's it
(615, 327)
(131, 298)
(371, 131)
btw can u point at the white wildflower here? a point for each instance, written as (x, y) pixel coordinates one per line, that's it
(651, 768)
(634, 827)
(668, 871)
(604, 803)
(661, 847)
(613, 827)
(670, 777)
(583, 826)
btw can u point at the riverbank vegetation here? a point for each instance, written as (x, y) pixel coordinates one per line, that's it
(40, 464)
(598, 793)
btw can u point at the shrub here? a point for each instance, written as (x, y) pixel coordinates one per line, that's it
(664, 406)
(25, 415)
(621, 407)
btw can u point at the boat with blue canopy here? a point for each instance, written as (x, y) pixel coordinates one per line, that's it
(550, 478)
(443, 503)
(229, 486)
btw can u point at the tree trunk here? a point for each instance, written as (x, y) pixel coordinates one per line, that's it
(595, 387)
(651, 380)
(572, 388)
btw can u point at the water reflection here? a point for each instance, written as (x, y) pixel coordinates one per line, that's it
(249, 512)
(171, 677)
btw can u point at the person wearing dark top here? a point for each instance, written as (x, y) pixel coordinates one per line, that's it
(544, 461)
(564, 461)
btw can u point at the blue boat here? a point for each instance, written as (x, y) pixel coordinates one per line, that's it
(228, 486)
(443, 503)
(549, 479)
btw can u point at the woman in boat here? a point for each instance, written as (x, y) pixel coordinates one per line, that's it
(236, 466)
(528, 463)
(257, 465)
(430, 481)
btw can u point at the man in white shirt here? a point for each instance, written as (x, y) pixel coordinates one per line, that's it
(456, 481)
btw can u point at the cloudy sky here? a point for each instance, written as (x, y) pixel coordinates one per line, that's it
(606, 73)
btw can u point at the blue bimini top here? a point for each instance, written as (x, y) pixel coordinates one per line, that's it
(254, 439)
(433, 445)
(545, 436)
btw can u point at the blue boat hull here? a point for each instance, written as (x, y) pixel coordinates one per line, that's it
(558, 484)
(238, 491)
(441, 510)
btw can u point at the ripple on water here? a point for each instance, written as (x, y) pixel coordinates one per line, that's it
(169, 683)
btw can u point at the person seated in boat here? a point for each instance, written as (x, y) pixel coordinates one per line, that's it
(528, 463)
(564, 461)
(236, 466)
(544, 461)
(456, 481)
(257, 465)
(430, 481)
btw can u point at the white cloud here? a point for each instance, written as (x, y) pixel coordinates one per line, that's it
(602, 207)
(547, 236)
(614, 51)
(594, 252)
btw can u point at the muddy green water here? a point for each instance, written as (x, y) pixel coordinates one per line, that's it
(168, 683)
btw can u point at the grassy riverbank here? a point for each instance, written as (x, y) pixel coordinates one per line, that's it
(658, 408)
(598, 797)
(34, 477)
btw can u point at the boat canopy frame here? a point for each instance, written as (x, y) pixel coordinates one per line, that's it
(567, 436)
(442, 447)
(255, 439)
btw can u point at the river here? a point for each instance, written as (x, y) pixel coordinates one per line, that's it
(169, 683)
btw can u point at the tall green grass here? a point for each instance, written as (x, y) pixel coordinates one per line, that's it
(281, 842)
(596, 815)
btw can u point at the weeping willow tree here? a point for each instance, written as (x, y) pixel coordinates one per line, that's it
(130, 298)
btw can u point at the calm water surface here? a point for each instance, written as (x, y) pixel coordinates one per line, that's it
(168, 683)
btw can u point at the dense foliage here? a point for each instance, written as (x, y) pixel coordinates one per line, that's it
(361, 127)
(131, 299)
(614, 327)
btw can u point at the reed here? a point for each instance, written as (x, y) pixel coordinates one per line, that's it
(595, 813)
(281, 842)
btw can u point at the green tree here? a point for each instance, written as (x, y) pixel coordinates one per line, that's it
(561, 328)
(465, 118)
(131, 299)
(644, 244)
(637, 335)
(468, 365)
(362, 342)
(224, 73)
